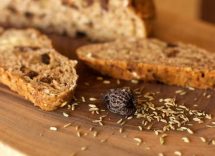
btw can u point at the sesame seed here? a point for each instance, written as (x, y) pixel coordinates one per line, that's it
(118, 82)
(53, 128)
(120, 130)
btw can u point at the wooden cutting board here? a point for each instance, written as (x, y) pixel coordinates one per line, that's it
(25, 128)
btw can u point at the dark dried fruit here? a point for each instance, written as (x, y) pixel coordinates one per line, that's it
(104, 4)
(31, 74)
(121, 101)
(46, 80)
(171, 45)
(45, 58)
(172, 53)
(29, 15)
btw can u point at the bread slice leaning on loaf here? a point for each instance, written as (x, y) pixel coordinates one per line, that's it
(152, 60)
(31, 67)
(99, 19)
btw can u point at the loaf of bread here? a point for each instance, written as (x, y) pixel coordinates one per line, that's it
(31, 67)
(152, 60)
(99, 19)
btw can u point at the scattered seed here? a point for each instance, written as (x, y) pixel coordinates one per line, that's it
(191, 88)
(91, 129)
(134, 81)
(140, 128)
(87, 83)
(120, 130)
(77, 128)
(65, 114)
(95, 133)
(78, 134)
(103, 140)
(119, 121)
(99, 78)
(185, 139)
(208, 96)
(83, 99)
(160, 154)
(203, 139)
(92, 99)
(118, 82)
(84, 148)
(190, 131)
(106, 82)
(213, 142)
(67, 125)
(138, 140)
(53, 128)
(178, 153)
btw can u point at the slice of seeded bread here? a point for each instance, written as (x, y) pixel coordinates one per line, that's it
(152, 60)
(30, 66)
(99, 19)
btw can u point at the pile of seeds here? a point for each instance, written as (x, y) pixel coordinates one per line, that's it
(170, 115)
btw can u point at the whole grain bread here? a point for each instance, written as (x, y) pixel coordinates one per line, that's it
(152, 60)
(30, 66)
(99, 19)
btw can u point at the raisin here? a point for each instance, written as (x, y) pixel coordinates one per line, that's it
(45, 58)
(120, 101)
(31, 74)
(29, 15)
(172, 53)
(104, 4)
(89, 3)
(171, 45)
(80, 34)
(46, 80)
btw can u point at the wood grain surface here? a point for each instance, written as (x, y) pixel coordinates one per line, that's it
(26, 128)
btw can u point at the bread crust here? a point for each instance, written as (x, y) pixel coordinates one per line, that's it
(30, 89)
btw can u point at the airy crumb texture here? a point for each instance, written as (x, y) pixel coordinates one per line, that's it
(152, 60)
(30, 66)
(98, 19)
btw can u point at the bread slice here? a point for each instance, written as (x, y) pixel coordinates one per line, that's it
(152, 60)
(99, 19)
(30, 66)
